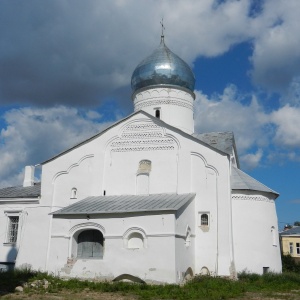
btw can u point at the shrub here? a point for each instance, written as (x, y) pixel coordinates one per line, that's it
(289, 264)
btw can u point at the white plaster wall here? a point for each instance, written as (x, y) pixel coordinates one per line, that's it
(254, 215)
(176, 106)
(213, 245)
(154, 263)
(30, 249)
(185, 252)
(109, 163)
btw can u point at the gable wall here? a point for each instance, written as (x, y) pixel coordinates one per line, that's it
(110, 163)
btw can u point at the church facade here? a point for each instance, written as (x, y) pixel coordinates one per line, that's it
(147, 199)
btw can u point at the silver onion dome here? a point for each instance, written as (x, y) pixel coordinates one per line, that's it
(162, 67)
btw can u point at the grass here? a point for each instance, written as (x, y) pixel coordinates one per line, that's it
(200, 287)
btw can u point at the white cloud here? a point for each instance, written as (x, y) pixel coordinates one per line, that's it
(34, 135)
(276, 57)
(226, 113)
(251, 160)
(81, 52)
(287, 120)
(48, 56)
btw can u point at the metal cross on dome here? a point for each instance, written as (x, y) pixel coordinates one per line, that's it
(162, 29)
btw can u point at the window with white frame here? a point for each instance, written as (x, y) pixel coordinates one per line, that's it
(298, 248)
(204, 219)
(12, 230)
(291, 248)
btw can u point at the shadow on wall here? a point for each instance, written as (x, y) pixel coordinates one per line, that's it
(10, 260)
(12, 255)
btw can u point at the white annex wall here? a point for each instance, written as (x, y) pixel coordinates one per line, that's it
(255, 232)
(154, 262)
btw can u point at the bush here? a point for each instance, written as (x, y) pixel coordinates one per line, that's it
(10, 279)
(289, 264)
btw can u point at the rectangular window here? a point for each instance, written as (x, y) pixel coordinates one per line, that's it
(291, 248)
(13, 225)
(298, 248)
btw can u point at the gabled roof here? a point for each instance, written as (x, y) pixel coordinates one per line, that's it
(161, 123)
(293, 231)
(126, 204)
(242, 181)
(223, 141)
(21, 192)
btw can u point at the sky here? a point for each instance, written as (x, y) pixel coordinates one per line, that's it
(66, 66)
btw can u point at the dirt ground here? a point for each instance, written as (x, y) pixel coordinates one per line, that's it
(69, 296)
(87, 295)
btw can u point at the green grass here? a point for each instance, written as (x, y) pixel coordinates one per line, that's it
(200, 287)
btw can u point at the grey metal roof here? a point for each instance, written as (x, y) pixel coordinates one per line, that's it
(126, 204)
(223, 141)
(162, 67)
(242, 181)
(21, 192)
(293, 231)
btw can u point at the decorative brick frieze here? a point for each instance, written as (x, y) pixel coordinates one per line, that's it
(252, 198)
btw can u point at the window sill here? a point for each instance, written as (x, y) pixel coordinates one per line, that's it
(89, 258)
(10, 244)
(134, 248)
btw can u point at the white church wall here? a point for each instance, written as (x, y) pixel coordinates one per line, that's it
(210, 180)
(185, 242)
(154, 262)
(255, 232)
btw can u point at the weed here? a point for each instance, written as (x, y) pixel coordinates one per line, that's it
(200, 287)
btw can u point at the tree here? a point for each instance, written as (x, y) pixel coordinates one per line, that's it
(297, 223)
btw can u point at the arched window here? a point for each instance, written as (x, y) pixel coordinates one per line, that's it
(135, 241)
(204, 220)
(157, 113)
(135, 238)
(73, 193)
(90, 244)
(274, 236)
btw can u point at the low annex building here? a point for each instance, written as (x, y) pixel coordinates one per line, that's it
(146, 198)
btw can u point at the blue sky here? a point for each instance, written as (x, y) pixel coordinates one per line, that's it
(65, 69)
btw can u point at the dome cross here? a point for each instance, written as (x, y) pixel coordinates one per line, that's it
(162, 30)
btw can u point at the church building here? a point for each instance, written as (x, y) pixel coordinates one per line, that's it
(147, 199)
